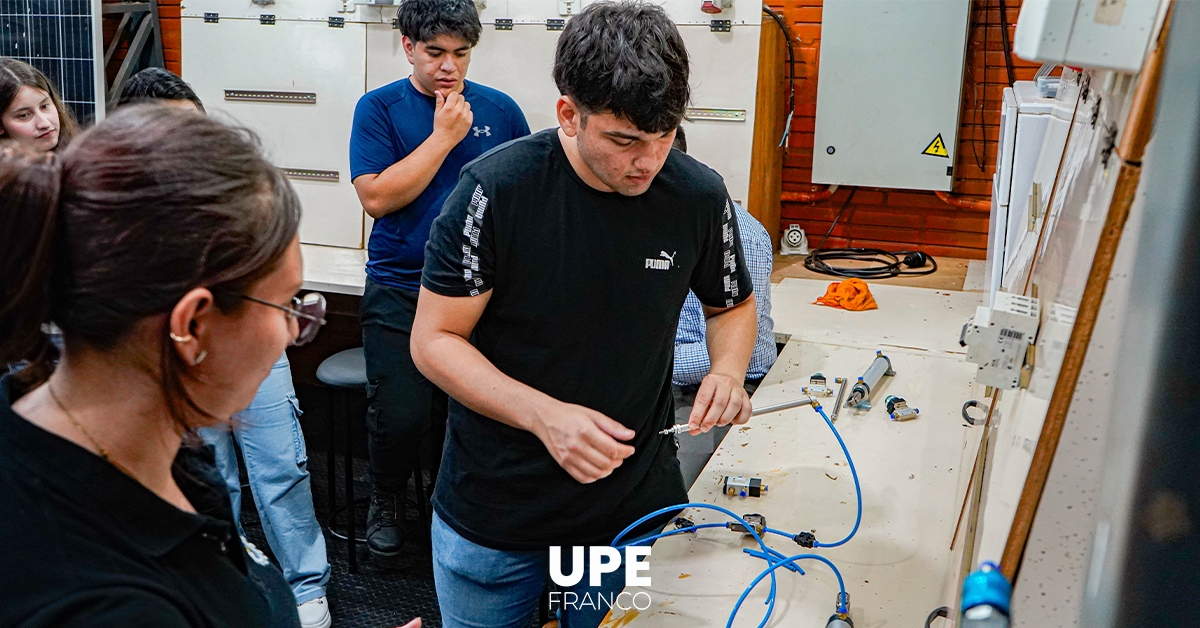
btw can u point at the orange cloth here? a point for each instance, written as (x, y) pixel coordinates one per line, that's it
(851, 294)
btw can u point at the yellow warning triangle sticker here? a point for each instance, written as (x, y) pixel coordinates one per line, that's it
(937, 148)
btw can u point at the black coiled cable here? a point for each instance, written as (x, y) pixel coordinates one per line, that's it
(887, 264)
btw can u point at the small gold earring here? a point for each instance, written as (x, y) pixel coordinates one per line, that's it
(199, 357)
(180, 338)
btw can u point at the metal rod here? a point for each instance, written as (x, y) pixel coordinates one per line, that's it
(803, 401)
(841, 395)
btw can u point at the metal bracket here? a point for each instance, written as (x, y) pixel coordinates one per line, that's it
(1035, 201)
(555, 24)
(306, 174)
(395, 23)
(212, 18)
(709, 113)
(140, 34)
(720, 26)
(504, 23)
(304, 98)
(337, 22)
(266, 19)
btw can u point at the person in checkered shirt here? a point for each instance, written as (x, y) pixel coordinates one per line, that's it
(691, 350)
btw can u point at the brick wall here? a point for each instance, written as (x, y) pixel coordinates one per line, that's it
(904, 219)
(168, 17)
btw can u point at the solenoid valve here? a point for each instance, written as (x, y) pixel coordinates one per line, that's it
(738, 486)
(817, 386)
(898, 409)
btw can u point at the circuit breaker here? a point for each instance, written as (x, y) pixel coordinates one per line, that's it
(998, 338)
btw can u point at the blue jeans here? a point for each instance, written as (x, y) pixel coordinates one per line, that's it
(272, 444)
(480, 587)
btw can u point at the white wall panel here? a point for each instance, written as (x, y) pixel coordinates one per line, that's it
(302, 53)
(295, 57)
(282, 9)
(519, 63)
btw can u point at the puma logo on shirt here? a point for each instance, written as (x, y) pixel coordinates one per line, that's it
(661, 264)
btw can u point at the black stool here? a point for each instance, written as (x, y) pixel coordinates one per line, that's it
(345, 372)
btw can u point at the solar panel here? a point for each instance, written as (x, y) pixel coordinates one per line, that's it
(58, 38)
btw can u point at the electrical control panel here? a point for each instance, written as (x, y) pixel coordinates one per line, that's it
(890, 93)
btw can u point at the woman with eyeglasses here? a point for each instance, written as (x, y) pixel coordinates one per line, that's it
(268, 431)
(164, 246)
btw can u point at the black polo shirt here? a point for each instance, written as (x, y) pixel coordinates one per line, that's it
(85, 545)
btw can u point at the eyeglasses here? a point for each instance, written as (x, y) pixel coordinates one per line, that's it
(308, 310)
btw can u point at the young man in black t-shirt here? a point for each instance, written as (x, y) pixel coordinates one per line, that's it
(552, 287)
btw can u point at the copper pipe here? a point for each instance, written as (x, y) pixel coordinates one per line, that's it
(808, 197)
(963, 202)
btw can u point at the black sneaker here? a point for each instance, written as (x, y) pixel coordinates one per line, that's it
(383, 530)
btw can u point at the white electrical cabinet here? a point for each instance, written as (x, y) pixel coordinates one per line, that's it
(889, 92)
(1019, 259)
(1024, 118)
(1112, 34)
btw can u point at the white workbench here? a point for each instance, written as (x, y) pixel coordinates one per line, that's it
(333, 269)
(899, 566)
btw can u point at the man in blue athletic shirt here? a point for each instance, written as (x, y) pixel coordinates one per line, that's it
(409, 141)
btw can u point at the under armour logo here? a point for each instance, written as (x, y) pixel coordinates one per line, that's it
(486, 130)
